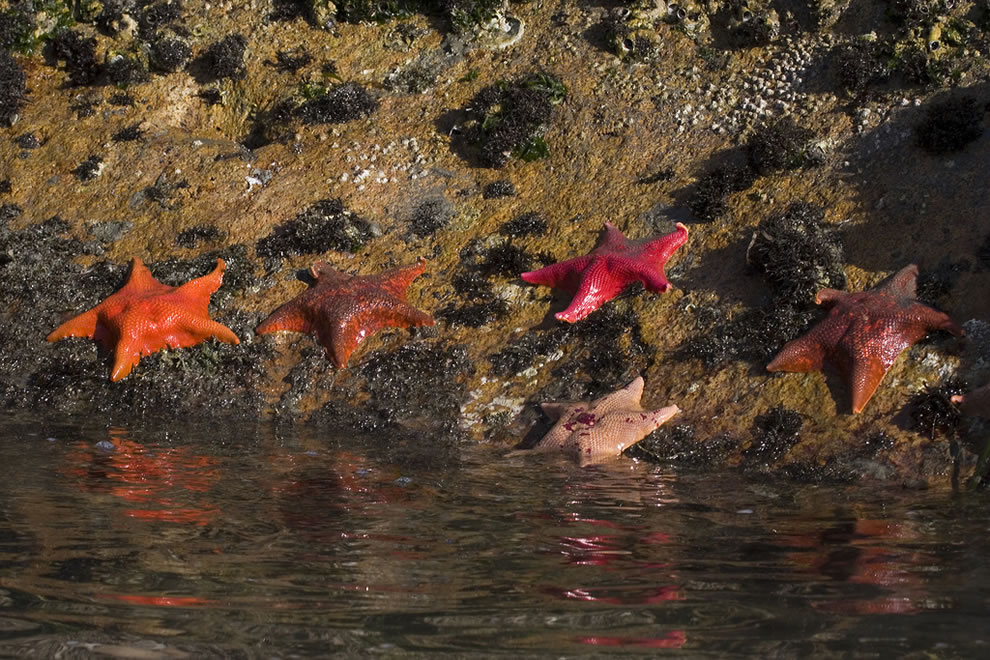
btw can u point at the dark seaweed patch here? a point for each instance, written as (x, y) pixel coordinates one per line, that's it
(13, 89)
(798, 254)
(858, 66)
(934, 283)
(774, 433)
(782, 145)
(78, 53)
(527, 224)
(338, 104)
(325, 225)
(169, 54)
(129, 134)
(933, 411)
(679, 444)
(190, 238)
(158, 15)
(607, 345)
(124, 70)
(419, 385)
(27, 141)
(431, 215)
(710, 199)
(755, 334)
(511, 118)
(89, 169)
(225, 58)
(498, 189)
(290, 61)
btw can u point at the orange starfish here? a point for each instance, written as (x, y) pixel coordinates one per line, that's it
(146, 316)
(343, 310)
(864, 333)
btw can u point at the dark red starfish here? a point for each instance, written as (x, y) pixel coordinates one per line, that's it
(342, 310)
(603, 273)
(864, 333)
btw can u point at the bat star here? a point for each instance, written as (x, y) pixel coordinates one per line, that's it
(146, 316)
(864, 333)
(595, 432)
(343, 310)
(610, 267)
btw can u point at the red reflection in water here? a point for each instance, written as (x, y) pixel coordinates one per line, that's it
(322, 497)
(162, 480)
(866, 552)
(617, 549)
(158, 601)
(672, 640)
(646, 596)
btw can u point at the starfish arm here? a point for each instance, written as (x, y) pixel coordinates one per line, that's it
(806, 353)
(829, 297)
(599, 284)
(328, 276)
(199, 328)
(396, 281)
(864, 378)
(342, 334)
(628, 397)
(195, 294)
(904, 283)
(613, 239)
(662, 248)
(932, 319)
(289, 317)
(561, 275)
(125, 359)
(554, 410)
(141, 280)
(654, 279)
(138, 336)
(83, 325)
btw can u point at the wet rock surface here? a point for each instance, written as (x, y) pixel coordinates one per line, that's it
(805, 144)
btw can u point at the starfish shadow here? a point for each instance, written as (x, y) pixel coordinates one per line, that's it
(923, 208)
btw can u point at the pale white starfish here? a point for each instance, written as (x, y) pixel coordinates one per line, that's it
(603, 429)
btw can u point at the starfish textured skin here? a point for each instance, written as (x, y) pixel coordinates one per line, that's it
(595, 432)
(146, 316)
(864, 333)
(343, 310)
(613, 264)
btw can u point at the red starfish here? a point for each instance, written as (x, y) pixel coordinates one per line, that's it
(146, 316)
(603, 273)
(342, 310)
(864, 333)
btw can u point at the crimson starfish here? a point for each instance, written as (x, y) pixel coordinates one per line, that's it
(146, 316)
(613, 264)
(864, 333)
(343, 310)
(603, 429)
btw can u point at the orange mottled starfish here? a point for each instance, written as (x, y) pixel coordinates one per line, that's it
(603, 273)
(864, 333)
(343, 310)
(603, 429)
(146, 316)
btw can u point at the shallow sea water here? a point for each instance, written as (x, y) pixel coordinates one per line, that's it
(260, 542)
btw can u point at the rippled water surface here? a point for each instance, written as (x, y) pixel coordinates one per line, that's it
(259, 542)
